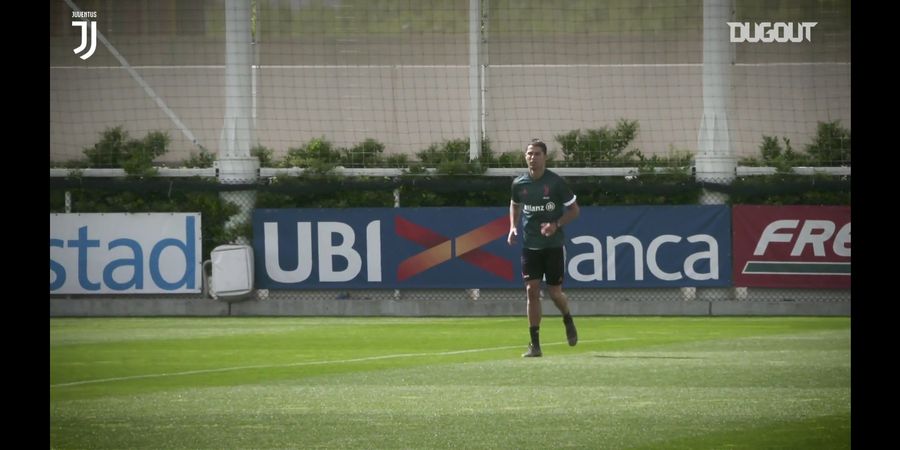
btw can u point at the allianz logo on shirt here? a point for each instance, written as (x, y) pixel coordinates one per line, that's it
(549, 206)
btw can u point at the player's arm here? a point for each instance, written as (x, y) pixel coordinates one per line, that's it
(570, 213)
(515, 212)
(571, 209)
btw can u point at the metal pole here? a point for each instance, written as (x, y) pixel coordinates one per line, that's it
(476, 94)
(396, 205)
(715, 161)
(474, 79)
(235, 165)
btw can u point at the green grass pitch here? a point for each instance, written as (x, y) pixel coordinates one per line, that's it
(631, 382)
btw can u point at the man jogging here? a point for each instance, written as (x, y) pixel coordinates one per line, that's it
(545, 204)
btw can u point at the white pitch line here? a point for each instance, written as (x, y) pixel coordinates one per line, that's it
(313, 363)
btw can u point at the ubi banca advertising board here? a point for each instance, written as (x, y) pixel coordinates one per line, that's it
(115, 253)
(616, 247)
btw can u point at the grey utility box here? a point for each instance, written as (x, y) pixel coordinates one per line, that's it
(232, 271)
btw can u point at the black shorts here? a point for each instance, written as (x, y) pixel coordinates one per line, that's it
(549, 262)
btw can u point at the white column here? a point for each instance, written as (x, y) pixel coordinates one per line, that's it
(474, 79)
(235, 165)
(715, 161)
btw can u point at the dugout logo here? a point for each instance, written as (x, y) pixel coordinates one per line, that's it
(440, 249)
(88, 32)
(767, 32)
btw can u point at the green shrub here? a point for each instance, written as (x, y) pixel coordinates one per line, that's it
(264, 155)
(452, 157)
(648, 189)
(117, 149)
(397, 161)
(202, 160)
(365, 154)
(790, 189)
(677, 161)
(831, 146)
(317, 156)
(601, 147)
(326, 192)
(782, 158)
(510, 159)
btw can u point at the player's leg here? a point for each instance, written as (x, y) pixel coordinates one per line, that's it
(560, 299)
(562, 303)
(533, 272)
(555, 273)
(555, 265)
(533, 290)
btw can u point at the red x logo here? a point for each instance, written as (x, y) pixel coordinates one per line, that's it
(440, 249)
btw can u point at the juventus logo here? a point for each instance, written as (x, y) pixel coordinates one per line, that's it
(84, 37)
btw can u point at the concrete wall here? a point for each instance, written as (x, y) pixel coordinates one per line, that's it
(624, 302)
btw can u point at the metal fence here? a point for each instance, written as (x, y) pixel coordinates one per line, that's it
(352, 103)
(82, 193)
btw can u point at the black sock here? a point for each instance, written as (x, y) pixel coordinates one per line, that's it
(567, 318)
(535, 336)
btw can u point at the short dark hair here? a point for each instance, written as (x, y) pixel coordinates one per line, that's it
(539, 144)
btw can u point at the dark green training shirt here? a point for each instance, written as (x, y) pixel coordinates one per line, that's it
(543, 200)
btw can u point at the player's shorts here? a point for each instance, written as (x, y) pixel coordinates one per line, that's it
(548, 264)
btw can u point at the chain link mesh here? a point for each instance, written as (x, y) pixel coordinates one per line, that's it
(393, 84)
(599, 191)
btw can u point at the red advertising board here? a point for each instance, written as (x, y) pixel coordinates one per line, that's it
(791, 246)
